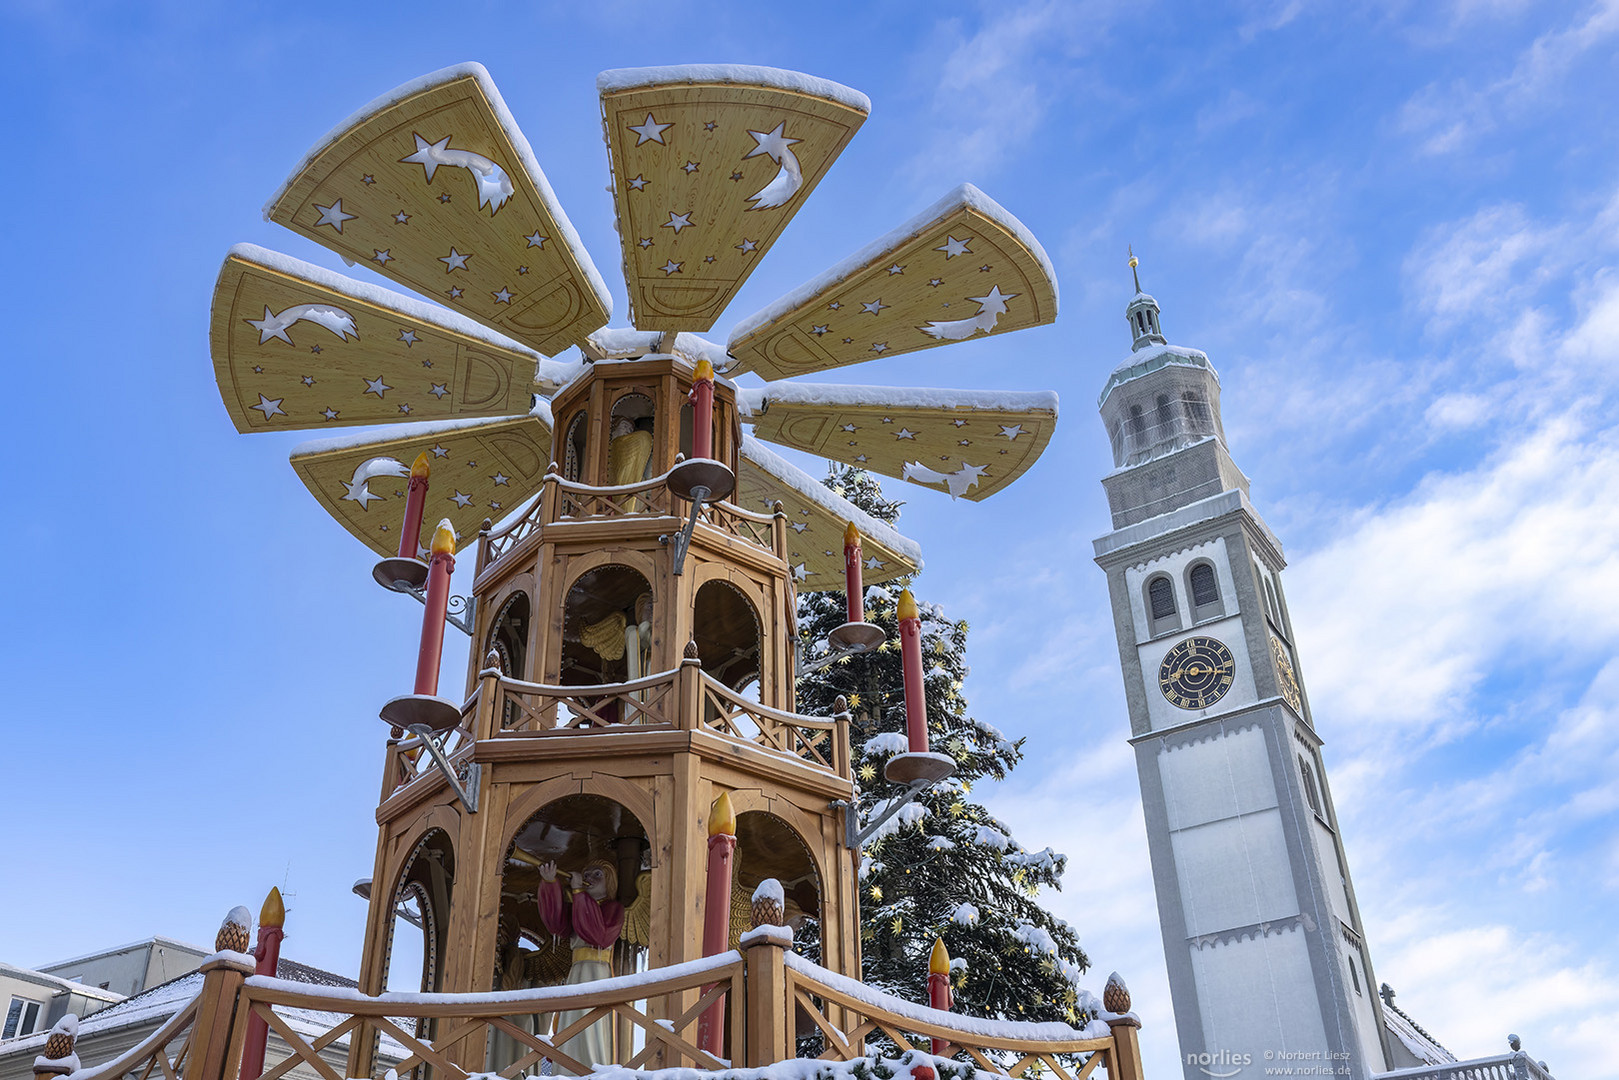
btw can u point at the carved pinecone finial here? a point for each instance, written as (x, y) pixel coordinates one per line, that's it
(491, 660)
(841, 705)
(59, 1044)
(691, 650)
(233, 932)
(1514, 1042)
(1116, 996)
(769, 908)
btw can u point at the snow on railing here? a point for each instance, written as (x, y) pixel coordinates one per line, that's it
(1511, 1065)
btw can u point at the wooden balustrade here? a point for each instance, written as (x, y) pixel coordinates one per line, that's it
(525, 708)
(820, 741)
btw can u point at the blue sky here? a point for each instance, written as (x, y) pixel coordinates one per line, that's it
(1393, 227)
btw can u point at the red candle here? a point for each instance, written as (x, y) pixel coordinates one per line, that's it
(939, 984)
(852, 583)
(410, 533)
(910, 645)
(702, 413)
(717, 912)
(438, 605)
(272, 917)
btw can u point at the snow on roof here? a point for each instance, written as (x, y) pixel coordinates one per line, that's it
(508, 124)
(757, 399)
(555, 371)
(616, 79)
(816, 492)
(1150, 359)
(57, 983)
(965, 195)
(143, 943)
(1427, 1049)
(422, 430)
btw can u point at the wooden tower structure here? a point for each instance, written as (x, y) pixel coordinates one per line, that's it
(634, 648)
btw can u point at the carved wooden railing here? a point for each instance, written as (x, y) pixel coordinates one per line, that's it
(522, 707)
(661, 1007)
(568, 500)
(407, 760)
(767, 990)
(820, 741)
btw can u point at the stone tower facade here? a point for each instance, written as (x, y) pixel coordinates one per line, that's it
(1267, 960)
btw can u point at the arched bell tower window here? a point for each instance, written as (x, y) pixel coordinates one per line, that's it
(1138, 426)
(630, 440)
(1161, 605)
(573, 447)
(1204, 588)
(1166, 417)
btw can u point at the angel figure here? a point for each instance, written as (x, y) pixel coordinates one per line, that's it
(592, 919)
(629, 451)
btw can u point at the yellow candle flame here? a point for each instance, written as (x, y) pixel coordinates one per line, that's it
(420, 468)
(907, 605)
(721, 817)
(939, 962)
(851, 535)
(444, 538)
(274, 912)
(704, 370)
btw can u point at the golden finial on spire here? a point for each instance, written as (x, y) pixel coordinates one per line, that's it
(1134, 262)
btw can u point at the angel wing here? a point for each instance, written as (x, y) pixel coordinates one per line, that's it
(606, 637)
(638, 916)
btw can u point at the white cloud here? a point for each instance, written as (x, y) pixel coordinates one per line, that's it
(1478, 266)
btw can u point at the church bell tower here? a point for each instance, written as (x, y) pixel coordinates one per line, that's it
(1267, 960)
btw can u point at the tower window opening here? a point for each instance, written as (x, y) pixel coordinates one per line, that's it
(630, 440)
(1205, 589)
(1141, 322)
(1138, 424)
(1161, 597)
(1310, 791)
(573, 449)
(1166, 416)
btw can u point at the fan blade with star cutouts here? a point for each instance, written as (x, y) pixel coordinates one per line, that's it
(709, 163)
(434, 186)
(296, 346)
(479, 469)
(816, 517)
(961, 268)
(970, 443)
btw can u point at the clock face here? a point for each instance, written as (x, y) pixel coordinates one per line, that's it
(1285, 677)
(1196, 673)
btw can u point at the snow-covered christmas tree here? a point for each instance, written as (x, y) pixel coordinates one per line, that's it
(944, 866)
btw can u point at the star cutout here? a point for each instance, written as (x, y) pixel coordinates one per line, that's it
(500, 479)
(959, 423)
(637, 184)
(439, 451)
(678, 221)
(454, 261)
(461, 500)
(438, 390)
(964, 442)
(427, 363)
(315, 349)
(333, 215)
(881, 346)
(874, 563)
(848, 341)
(671, 267)
(269, 406)
(799, 526)
(896, 269)
(444, 197)
(428, 155)
(935, 282)
(381, 255)
(736, 176)
(953, 247)
(494, 506)
(875, 306)
(651, 131)
(330, 413)
(708, 258)
(401, 217)
(408, 337)
(1012, 431)
(455, 292)
(773, 142)
(644, 243)
(308, 380)
(995, 302)
(522, 269)
(404, 410)
(368, 179)
(904, 433)
(536, 240)
(888, 419)
(834, 305)
(860, 457)
(800, 573)
(818, 330)
(709, 126)
(360, 493)
(984, 269)
(851, 427)
(257, 370)
(504, 296)
(375, 386)
(691, 167)
(747, 247)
